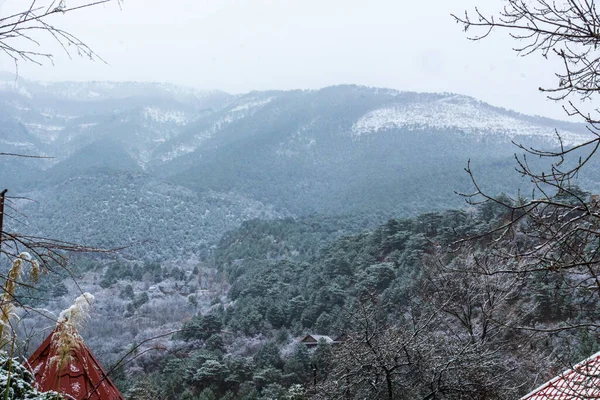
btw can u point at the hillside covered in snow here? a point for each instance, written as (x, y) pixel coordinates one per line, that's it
(155, 153)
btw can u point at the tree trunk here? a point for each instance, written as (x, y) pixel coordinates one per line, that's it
(2, 195)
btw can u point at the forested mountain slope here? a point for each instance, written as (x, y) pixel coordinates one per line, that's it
(429, 314)
(340, 150)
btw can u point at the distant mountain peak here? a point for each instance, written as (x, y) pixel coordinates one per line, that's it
(7, 76)
(101, 90)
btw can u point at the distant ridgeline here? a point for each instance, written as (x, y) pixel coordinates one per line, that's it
(173, 168)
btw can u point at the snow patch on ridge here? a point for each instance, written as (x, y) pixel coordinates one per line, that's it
(252, 104)
(44, 127)
(88, 125)
(16, 144)
(458, 112)
(197, 139)
(238, 112)
(178, 151)
(158, 115)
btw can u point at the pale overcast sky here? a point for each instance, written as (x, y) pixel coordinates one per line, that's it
(243, 45)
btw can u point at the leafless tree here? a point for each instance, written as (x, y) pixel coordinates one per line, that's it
(568, 29)
(450, 341)
(22, 33)
(415, 359)
(557, 227)
(554, 232)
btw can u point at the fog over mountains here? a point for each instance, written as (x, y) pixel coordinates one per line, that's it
(178, 167)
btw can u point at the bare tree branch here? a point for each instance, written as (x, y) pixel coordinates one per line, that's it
(20, 33)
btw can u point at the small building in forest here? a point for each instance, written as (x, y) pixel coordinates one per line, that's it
(81, 377)
(581, 381)
(313, 340)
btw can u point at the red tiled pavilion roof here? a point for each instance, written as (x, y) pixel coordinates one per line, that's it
(82, 378)
(580, 382)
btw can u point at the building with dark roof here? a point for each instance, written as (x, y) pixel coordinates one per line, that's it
(313, 340)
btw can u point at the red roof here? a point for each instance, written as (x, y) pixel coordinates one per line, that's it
(82, 378)
(580, 382)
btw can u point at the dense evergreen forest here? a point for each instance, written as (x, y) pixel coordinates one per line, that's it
(419, 313)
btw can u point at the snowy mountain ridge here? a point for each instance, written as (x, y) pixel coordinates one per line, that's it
(459, 112)
(338, 150)
(170, 109)
(100, 90)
